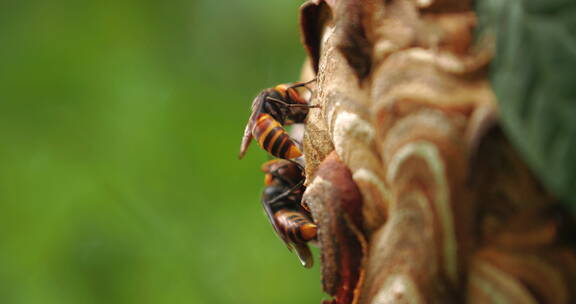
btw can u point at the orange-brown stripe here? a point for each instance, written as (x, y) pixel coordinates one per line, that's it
(263, 127)
(262, 124)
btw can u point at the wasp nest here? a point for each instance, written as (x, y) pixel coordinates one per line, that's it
(423, 199)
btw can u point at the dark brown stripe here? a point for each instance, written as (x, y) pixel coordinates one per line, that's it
(294, 231)
(285, 147)
(269, 137)
(280, 141)
(288, 232)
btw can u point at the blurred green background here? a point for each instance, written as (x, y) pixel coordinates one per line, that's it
(119, 178)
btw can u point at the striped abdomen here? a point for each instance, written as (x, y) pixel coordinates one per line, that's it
(297, 227)
(273, 138)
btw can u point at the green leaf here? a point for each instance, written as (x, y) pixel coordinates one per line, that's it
(534, 78)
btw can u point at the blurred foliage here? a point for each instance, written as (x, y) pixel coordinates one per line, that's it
(121, 123)
(534, 77)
